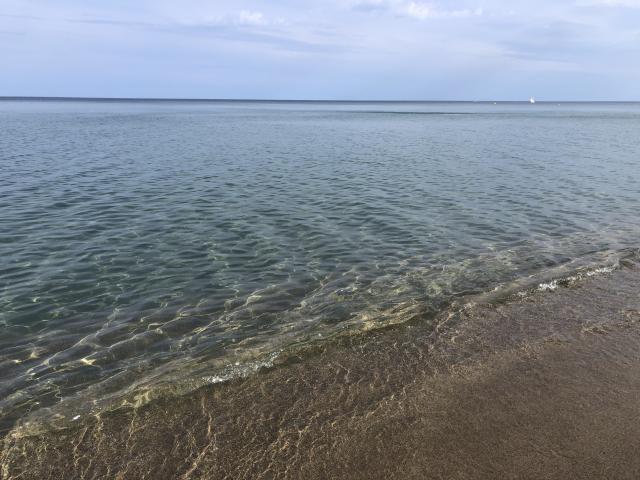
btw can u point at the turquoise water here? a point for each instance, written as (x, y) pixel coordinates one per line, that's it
(146, 243)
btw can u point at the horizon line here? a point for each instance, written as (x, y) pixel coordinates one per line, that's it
(273, 100)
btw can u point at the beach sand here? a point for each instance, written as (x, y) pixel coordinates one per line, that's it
(545, 385)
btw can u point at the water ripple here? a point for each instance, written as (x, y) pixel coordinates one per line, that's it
(140, 241)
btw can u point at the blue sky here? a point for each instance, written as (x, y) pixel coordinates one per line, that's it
(322, 49)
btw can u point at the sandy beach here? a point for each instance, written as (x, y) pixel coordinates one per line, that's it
(538, 386)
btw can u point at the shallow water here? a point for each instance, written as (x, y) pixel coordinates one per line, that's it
(144, 242)
(543, 385)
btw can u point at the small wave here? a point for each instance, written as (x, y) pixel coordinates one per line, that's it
(554, 284)
(240, 370)
(167, 383)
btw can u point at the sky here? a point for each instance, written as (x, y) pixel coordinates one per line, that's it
(322, 49)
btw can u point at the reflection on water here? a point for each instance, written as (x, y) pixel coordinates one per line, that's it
(144, 241)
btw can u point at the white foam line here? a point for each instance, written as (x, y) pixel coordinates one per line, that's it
(553, 285)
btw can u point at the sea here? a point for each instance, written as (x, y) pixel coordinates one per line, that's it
(149, 247)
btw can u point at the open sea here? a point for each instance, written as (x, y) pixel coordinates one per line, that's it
(151, 247)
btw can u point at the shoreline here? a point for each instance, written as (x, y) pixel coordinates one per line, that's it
(427, 316)
(542, 386)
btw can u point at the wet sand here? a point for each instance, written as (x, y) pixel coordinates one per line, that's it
(543, 386)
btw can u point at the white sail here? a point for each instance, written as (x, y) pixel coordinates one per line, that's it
(532, 100)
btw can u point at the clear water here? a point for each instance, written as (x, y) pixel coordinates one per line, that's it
(146, 243)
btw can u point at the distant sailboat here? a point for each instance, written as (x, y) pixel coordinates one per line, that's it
(532, 100)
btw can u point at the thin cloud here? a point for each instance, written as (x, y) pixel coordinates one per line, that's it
(414, 10)
(245, 26)
(321, 48)
(247, 17)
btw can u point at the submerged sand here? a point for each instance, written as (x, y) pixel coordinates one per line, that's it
(545, 385)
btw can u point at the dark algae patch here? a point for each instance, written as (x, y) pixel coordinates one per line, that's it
(544, 385)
